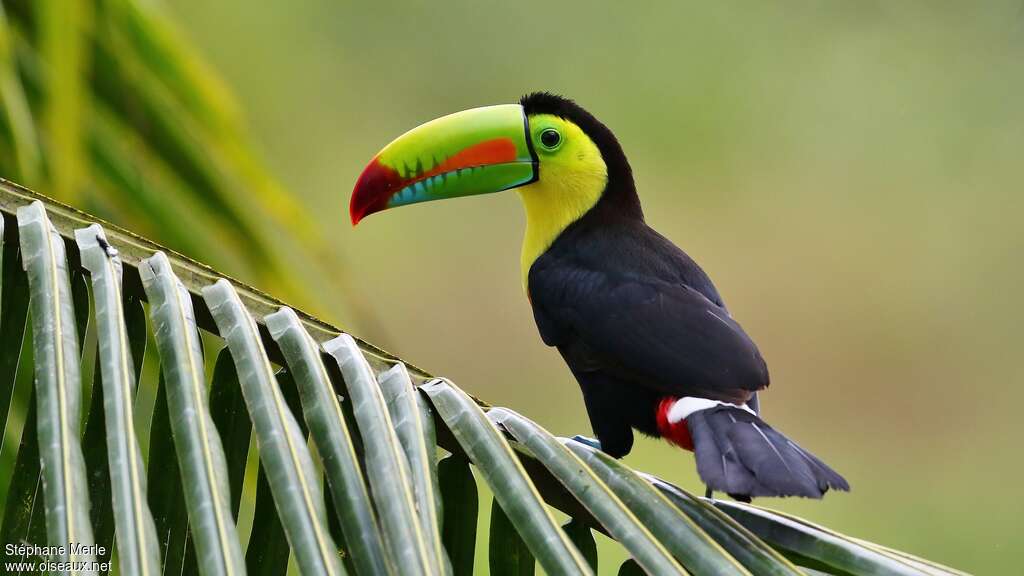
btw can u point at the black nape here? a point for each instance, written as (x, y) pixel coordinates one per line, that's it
(620, 194)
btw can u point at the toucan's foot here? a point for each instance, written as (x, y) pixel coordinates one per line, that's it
(708, 493)
(592, 442)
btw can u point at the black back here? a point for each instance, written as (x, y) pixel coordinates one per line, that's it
(628, 310)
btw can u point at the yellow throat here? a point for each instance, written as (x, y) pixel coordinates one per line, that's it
(571, 181)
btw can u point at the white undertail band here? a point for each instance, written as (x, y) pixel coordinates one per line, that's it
(687, 405)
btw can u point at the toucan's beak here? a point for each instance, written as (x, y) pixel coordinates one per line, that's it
(476, 151)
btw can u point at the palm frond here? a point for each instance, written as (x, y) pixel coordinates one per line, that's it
(283, 379)
(387, 469)
(58, 382)
(334, 442)
(137, 534)
(594, 494)
(282, 446)
(414, 424)
(196, 441)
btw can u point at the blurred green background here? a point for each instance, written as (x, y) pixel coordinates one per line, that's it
(849, 173)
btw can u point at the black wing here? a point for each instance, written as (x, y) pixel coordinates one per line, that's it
(660, 334)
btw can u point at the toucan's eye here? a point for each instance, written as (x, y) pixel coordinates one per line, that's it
(550, 138)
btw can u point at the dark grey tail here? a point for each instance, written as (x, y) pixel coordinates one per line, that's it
(737, 453)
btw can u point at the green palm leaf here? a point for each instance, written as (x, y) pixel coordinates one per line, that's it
(416, 433)
(508, 554)
(386, 465)
(200, 455)
(693, 547)
(752, 552)
(596, 496)
(58, 380)
(166, 492)
(227, 408)
(140, 553)
(517, 496)
(458, 492)
(333, 440)
(823, 549)
(582, 537)
(289, 466)
(13, 316)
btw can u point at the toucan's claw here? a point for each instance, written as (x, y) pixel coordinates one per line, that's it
(592, 442)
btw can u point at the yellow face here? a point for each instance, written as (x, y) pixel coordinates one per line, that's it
(572, 177)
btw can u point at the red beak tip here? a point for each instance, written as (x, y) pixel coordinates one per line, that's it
(371, 190)
(356, 215)
(352, 214)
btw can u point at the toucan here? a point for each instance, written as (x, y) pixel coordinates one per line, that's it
(638, 322)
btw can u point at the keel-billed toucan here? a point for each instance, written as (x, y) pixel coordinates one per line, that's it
(638, 322)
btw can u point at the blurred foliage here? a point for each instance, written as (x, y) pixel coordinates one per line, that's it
(106, 106)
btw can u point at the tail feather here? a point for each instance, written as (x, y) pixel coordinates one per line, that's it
(719, 466)
(739, 454)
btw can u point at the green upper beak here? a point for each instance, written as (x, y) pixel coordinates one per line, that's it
(476, 151)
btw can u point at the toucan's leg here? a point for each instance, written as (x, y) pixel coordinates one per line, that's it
(708, 493)
(592, 442)
(601, 397)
